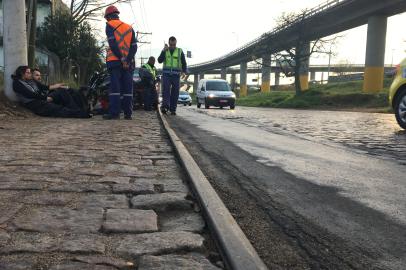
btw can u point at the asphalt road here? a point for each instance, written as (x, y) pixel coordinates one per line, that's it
(311, 189)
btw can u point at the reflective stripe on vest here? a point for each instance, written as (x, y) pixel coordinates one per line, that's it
(173, 61)
(151, 70)
(123, 34)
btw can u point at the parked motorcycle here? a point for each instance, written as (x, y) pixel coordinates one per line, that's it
(98, 92)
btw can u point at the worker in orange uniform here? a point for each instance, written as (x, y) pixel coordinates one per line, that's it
(120, 64)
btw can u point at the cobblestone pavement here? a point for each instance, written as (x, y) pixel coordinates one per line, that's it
(376, 134)
(91, 194)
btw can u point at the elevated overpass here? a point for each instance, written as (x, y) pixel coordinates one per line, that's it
(344, 70)
(324, 20)
(312, 69)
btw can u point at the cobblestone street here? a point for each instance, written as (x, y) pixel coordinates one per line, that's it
(375, 133)
(79, 193)
(333, 183)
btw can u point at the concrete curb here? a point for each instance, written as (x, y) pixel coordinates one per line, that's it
(237, 251)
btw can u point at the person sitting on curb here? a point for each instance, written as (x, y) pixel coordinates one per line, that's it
(63, 93)
(36, 77)
(40, 101)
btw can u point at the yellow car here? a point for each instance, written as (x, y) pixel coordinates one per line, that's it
(397, 94)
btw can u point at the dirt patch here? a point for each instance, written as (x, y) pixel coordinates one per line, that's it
(10, 110)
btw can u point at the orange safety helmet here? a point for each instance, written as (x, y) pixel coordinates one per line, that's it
(111, 10)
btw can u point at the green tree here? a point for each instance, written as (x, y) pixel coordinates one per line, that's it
(88, 52)
(73, 42)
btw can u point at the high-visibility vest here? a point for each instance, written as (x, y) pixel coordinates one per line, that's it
(151, 70)
(173, 62)
(123, 34)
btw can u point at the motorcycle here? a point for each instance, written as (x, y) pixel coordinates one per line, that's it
(98, 92)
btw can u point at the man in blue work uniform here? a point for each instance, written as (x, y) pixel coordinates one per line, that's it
(120, 64)
(148, 74)
(174, 65)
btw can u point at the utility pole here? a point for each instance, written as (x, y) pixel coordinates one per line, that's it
(14, 40)
(32, 32)
(142, 60)
(141, 35)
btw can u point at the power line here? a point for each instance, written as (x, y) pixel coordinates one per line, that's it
(133, 12)
(140, 34)
(142, 15)
(147, 23)
(145, 15)
(148, 26)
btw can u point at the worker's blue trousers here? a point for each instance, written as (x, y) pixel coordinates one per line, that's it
(121, 86)
(170, 92)
(150, 96)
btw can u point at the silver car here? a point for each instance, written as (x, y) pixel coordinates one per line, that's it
(184, 98)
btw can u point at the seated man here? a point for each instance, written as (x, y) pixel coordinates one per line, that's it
(60, 93)
(35, 97)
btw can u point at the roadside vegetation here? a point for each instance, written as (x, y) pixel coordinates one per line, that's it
(333, 96)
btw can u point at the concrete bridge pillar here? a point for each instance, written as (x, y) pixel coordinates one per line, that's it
(195, 82)
(233, 81)
(313, 76)
(375, 54)
(277, 78)
(201, 76)
(304, 68)
(243, 79)
(224, 73)
(266, 74)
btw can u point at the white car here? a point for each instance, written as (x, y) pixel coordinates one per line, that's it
(215, 93)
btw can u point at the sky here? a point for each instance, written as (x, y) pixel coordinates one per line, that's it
(212, 28)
